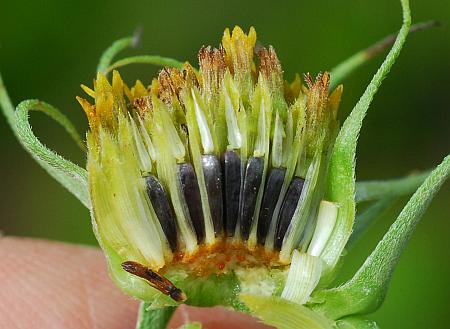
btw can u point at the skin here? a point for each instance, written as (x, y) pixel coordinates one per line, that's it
(46, 284)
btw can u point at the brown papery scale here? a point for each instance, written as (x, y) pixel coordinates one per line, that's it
(156, 280)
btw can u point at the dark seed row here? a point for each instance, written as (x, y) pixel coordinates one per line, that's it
(269, 201)
(252, 183)
(191, 193)
(163, 209)
(287, 209)
(213, 182)
(231, 198)
(232, 188)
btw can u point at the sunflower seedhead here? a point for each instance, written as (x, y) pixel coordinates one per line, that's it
(229, 186)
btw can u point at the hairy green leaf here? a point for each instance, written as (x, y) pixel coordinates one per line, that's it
(71, 176)
(341, 182)
(365, 292)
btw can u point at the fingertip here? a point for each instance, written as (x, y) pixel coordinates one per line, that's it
(46, 284)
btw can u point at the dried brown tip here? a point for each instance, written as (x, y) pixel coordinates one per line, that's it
(268, 62)
(317, 95)
(170, 81)
(321, 83)
(270, 68)
(309, 80)
(212, 65)
(190, 77)
(156, 280)
(143, 105)
(209, 57)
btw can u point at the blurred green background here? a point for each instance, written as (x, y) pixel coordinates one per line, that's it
(47, 48)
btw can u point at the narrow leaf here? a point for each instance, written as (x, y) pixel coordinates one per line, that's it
(52, 112)
(375, 190)
(387, 194)
(145, 59)
(365, 292)
(368, 218)
(153, 319)
(6, 105)
(341, 182)
(114, 49)
(343, 70)
(70, 175)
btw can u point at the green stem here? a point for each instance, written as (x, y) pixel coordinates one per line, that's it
(146, 59)
(153, 319)
(344, 69)
(6, 105)
(375, 190)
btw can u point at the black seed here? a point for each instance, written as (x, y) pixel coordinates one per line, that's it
(232, 173)
(252, 182)
(163, 209)
(213, 181)
(287, 209)
(191, 193)
(269, 201)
